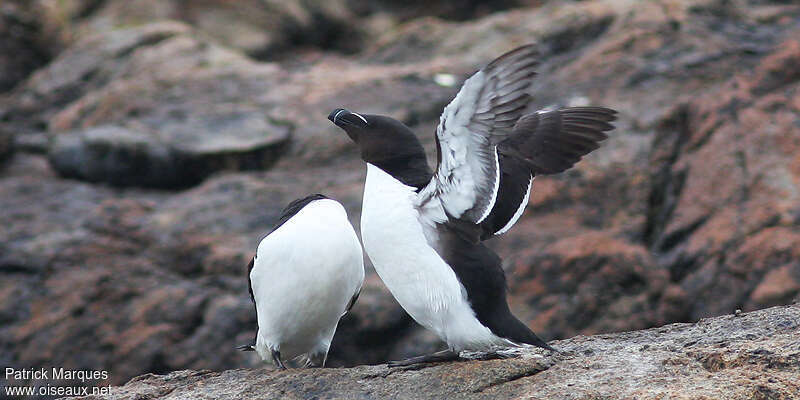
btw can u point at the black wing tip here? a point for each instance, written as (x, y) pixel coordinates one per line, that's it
(527, 50)
(589, 119)
(592, 108)
(571, 133)
(609, 114)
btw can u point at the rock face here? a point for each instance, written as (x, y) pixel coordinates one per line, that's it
(22, 45)
(151, 106)
(748, 356)
(145, 161)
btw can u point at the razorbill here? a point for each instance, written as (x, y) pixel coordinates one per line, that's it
(423, 230)
(306, 274)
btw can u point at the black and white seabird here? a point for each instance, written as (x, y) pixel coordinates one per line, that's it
(306, 274)
(423, 230)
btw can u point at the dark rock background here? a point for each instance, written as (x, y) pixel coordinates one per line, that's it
(147, 146)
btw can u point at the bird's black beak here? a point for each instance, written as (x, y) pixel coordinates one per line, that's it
(336, 114)
(347, 119)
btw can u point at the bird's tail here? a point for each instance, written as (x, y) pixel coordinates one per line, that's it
(514, 330)
(536, 341)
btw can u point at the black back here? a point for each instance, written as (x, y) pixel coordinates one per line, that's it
(480, 270)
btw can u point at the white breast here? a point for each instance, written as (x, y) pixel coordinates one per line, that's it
(418, 278)
(304, 275)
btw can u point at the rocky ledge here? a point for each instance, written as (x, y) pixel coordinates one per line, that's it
(752, 355)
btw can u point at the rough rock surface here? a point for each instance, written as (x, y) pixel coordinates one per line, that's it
(6, 144)
(150, 106)
(148, 277)
(258, 28)
(749, 356)
(22, 48)
(689, 210)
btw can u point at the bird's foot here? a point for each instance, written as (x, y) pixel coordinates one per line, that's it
(246, 347)
(276, 358)
(439, 356)
(316, 360)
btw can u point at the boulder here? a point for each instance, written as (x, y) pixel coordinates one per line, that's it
(179, 155)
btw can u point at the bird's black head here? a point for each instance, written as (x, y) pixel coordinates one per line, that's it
(386, 143)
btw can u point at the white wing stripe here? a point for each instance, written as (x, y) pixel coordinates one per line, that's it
(519, 211)
(496, 187)
(483, 112)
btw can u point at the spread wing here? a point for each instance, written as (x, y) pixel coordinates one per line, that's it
(489, 152)
(545, 142)
(549, 142)
(484, 112)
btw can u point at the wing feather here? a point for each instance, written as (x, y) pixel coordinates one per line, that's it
(489, 152)
(552, 141)
(467, 180)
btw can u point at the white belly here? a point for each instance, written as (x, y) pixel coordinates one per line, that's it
(418, 278)
(304, 275)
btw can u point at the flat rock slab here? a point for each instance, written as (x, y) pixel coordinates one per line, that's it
(177, 155)
(747, 356)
